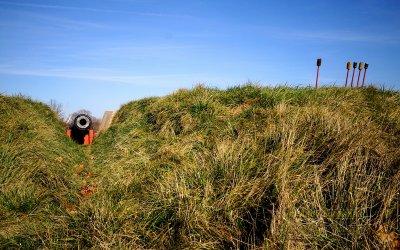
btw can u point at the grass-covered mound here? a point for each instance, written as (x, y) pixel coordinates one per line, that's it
(249, 167)
(37, 183)
(245, 168)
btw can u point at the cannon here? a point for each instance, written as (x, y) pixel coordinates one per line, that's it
(80, 129)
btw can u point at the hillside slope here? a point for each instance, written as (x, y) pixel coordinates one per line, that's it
(250, 167)
(37, 183)
(246, 168)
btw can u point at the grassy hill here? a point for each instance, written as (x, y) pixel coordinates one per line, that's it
(37, 165)
(249, 167)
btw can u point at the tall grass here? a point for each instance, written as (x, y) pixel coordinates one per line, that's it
(36, 175)
(251, 167)
(245, 168)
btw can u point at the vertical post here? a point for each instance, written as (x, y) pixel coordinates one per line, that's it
(360, 67)
(348, 69)
(354, 68)
(365, 72)
(318, 65)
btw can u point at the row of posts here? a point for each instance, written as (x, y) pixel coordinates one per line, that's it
(361, 66)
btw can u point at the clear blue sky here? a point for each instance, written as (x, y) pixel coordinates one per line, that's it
(99, 54)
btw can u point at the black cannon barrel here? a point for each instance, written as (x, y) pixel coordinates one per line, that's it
(82, 122)
(80, 127)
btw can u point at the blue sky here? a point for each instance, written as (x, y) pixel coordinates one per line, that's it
(99, 54)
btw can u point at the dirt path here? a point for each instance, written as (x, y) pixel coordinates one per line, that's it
(89, 184)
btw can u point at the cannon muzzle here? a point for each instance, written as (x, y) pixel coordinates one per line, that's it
(82, 122)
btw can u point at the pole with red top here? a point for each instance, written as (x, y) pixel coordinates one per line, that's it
(318, 65)
(354, 68)
(360, 67)
(365, 72)
(348, 69)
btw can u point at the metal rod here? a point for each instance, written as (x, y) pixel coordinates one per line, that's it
(354, 68)
(365, 72)
(352, 78)
(319, 61)
(316, 81)
(360, 68)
